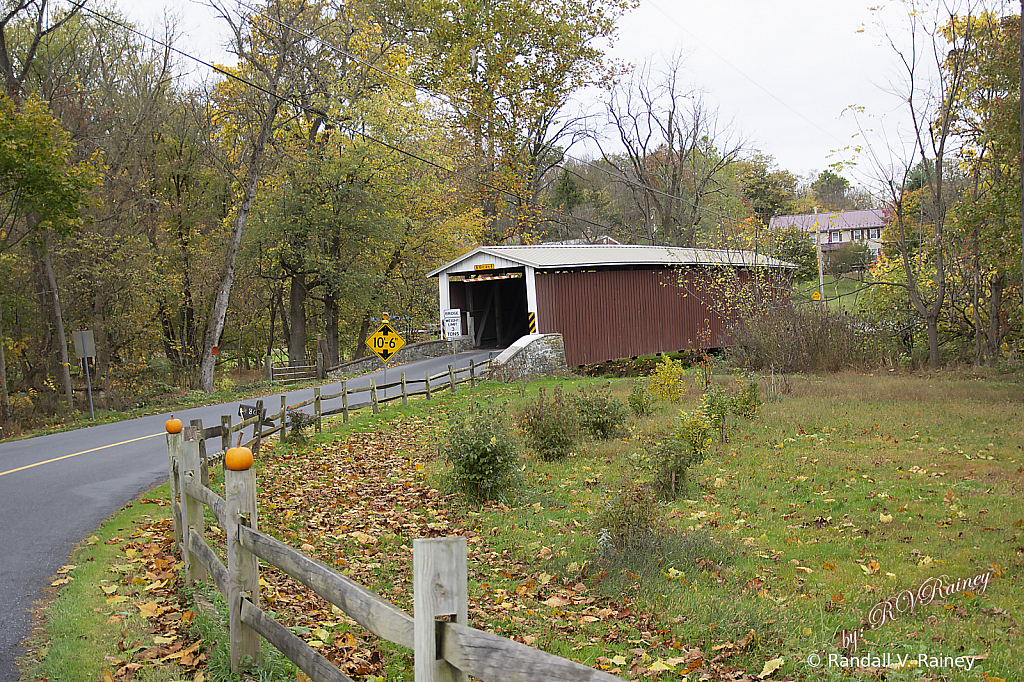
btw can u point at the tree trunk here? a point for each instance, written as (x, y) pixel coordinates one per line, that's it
(286, 332)
(273, 323)
(364, 331)
(995, 305)
(5, 401)
(932, 325)
(102, 347)
(220, 304)
(331, 313)
(976, 294)
(62, 340)
(297, 316)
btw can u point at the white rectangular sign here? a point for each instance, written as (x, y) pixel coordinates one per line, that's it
(452, 323)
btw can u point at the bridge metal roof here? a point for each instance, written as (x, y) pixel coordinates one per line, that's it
(547, 257)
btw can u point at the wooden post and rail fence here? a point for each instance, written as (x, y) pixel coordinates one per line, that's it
(444, 651)
(377, 398)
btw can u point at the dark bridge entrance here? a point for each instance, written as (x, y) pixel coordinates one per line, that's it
(494, 307)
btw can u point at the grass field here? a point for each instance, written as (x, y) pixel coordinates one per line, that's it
(841, 498)
(841, 294)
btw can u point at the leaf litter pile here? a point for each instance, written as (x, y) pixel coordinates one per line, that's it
(147, 586)
(356, 504)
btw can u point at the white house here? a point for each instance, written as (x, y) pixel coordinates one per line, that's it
(833, 230)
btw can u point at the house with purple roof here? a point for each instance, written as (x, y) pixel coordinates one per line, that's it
(834, 230)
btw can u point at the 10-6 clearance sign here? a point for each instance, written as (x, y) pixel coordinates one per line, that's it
(385, 342)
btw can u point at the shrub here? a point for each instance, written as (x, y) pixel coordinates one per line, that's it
(748, 401)
(668, 380)
(600, 415)
(640, 399)
(715, 405)
(482, 452)
(670, 453)
(298, 421)
(628, 518)
(551, 426)
(807, 339)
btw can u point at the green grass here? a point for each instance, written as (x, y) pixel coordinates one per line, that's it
(82, 630)
(838, 495)
(842, 294)
(796, 506)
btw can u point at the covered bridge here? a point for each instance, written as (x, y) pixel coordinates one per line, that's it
(607, 301)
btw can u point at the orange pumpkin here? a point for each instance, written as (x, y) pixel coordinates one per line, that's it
(238, 458)
(173, 425)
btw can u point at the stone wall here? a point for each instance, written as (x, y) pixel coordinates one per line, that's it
(408, 353)
(534, 354)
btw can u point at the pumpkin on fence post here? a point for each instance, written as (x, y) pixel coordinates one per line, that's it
(173, 425)
(238, 458)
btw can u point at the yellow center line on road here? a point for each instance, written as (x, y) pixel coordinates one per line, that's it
(83, 452)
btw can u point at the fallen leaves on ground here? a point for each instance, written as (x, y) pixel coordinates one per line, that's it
(356, 504)
(145, 584)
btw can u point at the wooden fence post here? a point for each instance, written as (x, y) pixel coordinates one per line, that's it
(316, 407)
(373, 396)
(225, 436)
(472, 374)
(405, 391)
(284, 418)
(426, 379)
(344, 401)
(257, 431)
(204, 466)
(191, 509)
(319, 366)
(439, 589)
(243, 566)
(451, 377)
(173, 455)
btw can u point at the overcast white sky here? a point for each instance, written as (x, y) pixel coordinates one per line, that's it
(783, 70)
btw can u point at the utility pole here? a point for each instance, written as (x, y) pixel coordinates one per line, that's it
(817, 242)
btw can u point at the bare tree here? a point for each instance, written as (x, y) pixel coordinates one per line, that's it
(272, 57)
(675, 150)
(933, 76)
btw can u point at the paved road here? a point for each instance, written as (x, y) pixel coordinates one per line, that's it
(57, 489)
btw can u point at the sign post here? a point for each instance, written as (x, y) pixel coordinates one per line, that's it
(85, 348)
(451, 323)
(384, 343)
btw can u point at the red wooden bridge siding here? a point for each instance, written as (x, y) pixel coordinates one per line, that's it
(609, 314)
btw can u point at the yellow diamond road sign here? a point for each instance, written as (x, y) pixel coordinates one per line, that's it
(385, 342)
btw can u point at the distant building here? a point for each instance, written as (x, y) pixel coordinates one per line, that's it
(603, 240)
(834, 230)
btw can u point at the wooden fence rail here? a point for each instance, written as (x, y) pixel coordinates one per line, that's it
(443, 651)
(226, 427)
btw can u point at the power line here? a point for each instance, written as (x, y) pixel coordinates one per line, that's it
(298, 105)
(333, 120)
(737, 70)
(620, 176)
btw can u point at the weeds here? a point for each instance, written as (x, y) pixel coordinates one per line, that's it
(641, 402)
(600, 415)
(629, 518)
(482, 453)
(672, 452)
(551, 426)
